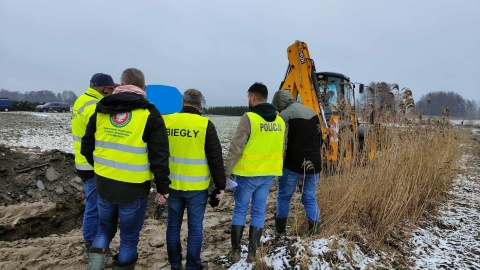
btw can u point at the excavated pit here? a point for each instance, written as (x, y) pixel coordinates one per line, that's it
(40, 194)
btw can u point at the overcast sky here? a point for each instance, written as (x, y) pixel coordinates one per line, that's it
(222, 47)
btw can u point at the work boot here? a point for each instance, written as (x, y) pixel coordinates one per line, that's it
(203, 266)
(109, 262)
(97, 258)
(313, 228)
(88, 245)
(130, 265)
(236, 238)
(280, 225)
(254, 236)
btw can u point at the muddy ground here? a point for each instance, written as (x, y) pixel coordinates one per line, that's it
(41, 209)
(42, 203)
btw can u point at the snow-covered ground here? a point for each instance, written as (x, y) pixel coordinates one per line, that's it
(452, 241)
(36, 131)
(465, 122)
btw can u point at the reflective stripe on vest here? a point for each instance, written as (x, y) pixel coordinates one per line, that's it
(120, 152)
(91, 102)
(121, 147)
(82, 110)
(188, 164)
(121, 165)
(263, 153)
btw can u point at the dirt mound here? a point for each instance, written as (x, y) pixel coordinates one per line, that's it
(39, 194)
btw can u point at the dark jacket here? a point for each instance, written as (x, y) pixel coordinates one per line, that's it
(213, 151)
(303, 139)
(154, 134)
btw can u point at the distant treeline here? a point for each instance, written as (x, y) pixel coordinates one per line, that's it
(22, 105)
(226, 110)
(432, 103)
(40, 96)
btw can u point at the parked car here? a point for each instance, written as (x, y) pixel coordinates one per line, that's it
(53, 107)
(5, 104)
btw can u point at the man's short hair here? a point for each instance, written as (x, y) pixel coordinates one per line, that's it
(193, 96)
(259, 89)
(133, 76)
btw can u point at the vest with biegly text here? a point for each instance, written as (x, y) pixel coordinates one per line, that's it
(188, 163)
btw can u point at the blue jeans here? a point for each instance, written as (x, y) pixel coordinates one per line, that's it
(255, 188)
(90, 217)
(131, 216)
(287, 184)
(195, 202)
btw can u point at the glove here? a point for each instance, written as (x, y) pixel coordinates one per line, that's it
(159, 211)
(213, 200)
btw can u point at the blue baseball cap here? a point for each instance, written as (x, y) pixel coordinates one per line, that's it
(101, 79)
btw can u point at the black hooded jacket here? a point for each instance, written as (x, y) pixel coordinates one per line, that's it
(266, 110)
(303, 137)
(154, 134)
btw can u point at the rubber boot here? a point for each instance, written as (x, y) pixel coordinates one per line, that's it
(130, 265)
(280, 225)
(254, 236)
(88, 245)
(313, 228)
(109, 262)
(97, 258)
(236, 238)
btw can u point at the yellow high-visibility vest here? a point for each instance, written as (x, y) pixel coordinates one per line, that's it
(120, 152)
(263, 153)
(82, 110)
(188, 163)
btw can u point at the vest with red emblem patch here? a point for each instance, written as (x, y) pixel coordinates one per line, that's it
(120, 152)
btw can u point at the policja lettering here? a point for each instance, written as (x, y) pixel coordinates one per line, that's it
(175, 132)
(270, 127)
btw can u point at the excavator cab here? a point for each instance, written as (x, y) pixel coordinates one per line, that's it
(336, 91)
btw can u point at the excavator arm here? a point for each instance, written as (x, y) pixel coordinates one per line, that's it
(300, 75)
(300, 79)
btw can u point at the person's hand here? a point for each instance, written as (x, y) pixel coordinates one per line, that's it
(220, 195)
(214, 199)
(162, 198)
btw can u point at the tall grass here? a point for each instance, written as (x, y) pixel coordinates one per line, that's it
(408, 178)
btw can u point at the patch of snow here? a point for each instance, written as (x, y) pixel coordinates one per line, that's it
(453, 242)
(465, 122)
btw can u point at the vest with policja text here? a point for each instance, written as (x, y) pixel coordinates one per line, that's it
(82, 110)
(120, 152)
(263, 153)
(188, 163)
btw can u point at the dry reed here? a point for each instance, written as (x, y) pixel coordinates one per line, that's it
(408, 177)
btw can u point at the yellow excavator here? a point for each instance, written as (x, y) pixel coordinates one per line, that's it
(332, 96)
